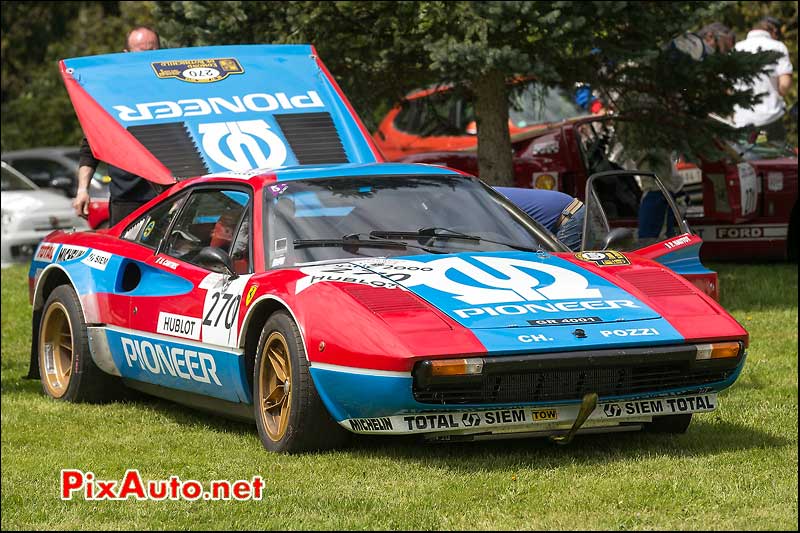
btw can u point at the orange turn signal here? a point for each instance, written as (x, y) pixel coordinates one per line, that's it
(717, 350)
(456, 367)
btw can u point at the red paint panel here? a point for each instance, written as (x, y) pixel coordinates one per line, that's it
(111, 142)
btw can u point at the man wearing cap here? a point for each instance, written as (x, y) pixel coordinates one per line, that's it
(767, 114)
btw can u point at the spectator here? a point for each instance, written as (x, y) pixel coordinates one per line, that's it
(718, 37)
(768, 113)
(127, 191)
(712, 38)
(559, 213)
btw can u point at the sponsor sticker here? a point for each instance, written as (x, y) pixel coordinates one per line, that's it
(197, 70)
(69, 253)
(471, 283)
(545, 181)
(278, 189)
(531, 418)
(166, 262)
(46, 252)
(179, 326)
(149, 229)
(741, 232)
(534, 338)
(775, 181)
(632, 332)
(250, 293)
(160, 358)
(603, 258)
(748, 186)
(658, 406)
(221, 312)
(217, 105)
(677, 242)
(97, 259)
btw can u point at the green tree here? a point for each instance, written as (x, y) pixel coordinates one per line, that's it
(379, 50)
(35, 35)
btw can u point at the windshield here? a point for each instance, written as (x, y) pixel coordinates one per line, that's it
(535, 104)
(13, 182)
(762, 150)
(380, 216)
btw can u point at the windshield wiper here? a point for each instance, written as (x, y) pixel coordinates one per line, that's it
(436, 233)
(354, 240)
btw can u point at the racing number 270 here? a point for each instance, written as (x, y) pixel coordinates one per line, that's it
(230, 304)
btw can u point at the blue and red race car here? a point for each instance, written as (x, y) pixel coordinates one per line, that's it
(329, 292)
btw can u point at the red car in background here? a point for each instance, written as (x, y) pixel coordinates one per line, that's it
(744, 206)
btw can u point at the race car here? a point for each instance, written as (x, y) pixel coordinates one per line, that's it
(347, 295)
(744, 205)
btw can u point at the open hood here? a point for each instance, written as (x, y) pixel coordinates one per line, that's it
(176, 113)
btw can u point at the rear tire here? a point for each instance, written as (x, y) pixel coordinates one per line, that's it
(290, 415)
(669, 424)
(67, 370)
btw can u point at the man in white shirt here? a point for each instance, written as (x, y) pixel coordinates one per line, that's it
(767, 114)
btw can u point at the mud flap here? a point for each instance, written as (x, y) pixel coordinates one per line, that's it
(33, 368)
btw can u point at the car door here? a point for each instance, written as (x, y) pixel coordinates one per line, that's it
(633, 212)
(210, 217)
(184, 318)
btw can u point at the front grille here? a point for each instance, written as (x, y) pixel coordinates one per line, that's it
(570, 383)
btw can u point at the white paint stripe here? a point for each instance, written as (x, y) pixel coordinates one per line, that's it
(361, 371)
(174, 340)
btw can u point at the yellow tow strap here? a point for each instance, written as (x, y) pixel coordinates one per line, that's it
(587, 406)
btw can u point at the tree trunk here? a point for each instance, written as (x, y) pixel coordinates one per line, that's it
(495, 162)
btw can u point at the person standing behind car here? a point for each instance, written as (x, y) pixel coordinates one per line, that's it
(559, 213)
(127, 191)
(768, 113)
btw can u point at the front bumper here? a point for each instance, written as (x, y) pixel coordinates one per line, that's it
(544, 420)
(539, 392)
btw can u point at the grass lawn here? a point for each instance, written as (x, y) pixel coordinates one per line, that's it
(736, 468)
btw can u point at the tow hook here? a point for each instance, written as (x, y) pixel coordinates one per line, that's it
(587, 406)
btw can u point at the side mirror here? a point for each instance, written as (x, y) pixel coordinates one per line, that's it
(617, 236)
(216, 259)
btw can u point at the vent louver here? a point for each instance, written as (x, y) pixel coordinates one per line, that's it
(172, 145)
(312, 138)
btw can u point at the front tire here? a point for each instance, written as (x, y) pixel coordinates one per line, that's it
(290, 415)
(66, 367)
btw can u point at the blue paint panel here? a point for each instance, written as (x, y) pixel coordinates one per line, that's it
(629, 334)
(382, 169)
(346, 394)
(544, 287)
(351, 395)
(172, 364)
(684, 261)
(241, 107)
(156, 282)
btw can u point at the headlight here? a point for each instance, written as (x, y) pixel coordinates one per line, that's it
(456, 367)
(718, 350)
(8, 218)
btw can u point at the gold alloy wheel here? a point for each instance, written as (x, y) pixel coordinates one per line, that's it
(275, 383)
(57, 349)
